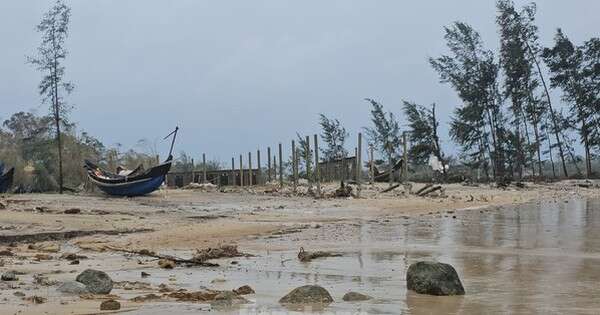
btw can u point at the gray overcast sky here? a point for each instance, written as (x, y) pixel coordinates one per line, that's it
(235, 75)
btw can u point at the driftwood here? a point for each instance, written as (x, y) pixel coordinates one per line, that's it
(418, 193)
(428, 191)
(305, 256)
(390, 188)
(199, 259)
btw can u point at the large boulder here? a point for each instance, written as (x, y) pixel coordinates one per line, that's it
(97, 282)
(72, 287)
(110, 305)
(307, 294)
(433, 278)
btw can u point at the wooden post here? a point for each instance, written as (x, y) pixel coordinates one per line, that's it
(203, 168)
(354, 166)
(371, 169)
(404, 157)
(269, 164)
(232, 172)
(359, 164)
(274, 167)
(241, 172)
(307, 160)
(391, 175)
(258, 170)
(280, 166)
(294, 166)
(249, 168)
(317, 175)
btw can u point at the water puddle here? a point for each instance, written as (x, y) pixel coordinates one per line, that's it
(539, 257)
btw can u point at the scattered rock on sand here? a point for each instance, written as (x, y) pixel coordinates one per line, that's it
(97, 282)
(228, 298)
(307, 294)
(9, 276)
(110, 305)
(244, 290)
(146, 298)
(73, 211)
(72, 287)
(433, 278)
(6, 252)
(166, 263)
(355, 296)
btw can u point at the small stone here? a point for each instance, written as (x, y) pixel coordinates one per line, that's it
(19, 294)
(9, 276)
(227, 298)
(72, 287)
(307, 294)
(244, 290)
(73, 211)
(74, 262)
(166, 263)
(97, 282)
(110, 305)
(355, 296)
(40, 257)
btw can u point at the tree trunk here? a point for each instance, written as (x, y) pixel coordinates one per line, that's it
(552, 113)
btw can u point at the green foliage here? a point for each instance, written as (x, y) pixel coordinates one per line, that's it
(51, 54)
(334, 135)
(472, 71)
(576, 71)
(423, 134)
(385, 133)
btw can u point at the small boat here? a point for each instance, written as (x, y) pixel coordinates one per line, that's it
(6, 180)
(138, 182)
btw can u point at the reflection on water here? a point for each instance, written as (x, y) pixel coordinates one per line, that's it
(536, 258)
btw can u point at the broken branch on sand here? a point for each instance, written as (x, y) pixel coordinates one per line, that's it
(200, 258)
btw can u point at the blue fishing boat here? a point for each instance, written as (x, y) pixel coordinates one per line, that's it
(6, 179)
(138, 182)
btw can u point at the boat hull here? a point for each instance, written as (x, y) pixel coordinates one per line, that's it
(132, 189)
(6, 180)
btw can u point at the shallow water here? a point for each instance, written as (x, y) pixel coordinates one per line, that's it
(534, 258)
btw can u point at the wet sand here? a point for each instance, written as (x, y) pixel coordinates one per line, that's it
(520, 251)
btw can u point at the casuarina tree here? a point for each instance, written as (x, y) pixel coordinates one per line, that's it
(49, 60)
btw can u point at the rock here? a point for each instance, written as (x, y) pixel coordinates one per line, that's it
(355, 296)
(9, 276)
(72, 256)
(244, 290)
(6, 252)
(307, 294)
(97, 282)
(110, 305)
(74, 262)
(45, 247)
(73, 211)
(433, 278)
(40, 257)
(72, 287)
(228, 298)
(166, 263)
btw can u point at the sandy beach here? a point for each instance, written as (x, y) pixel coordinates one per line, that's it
(376, 237)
